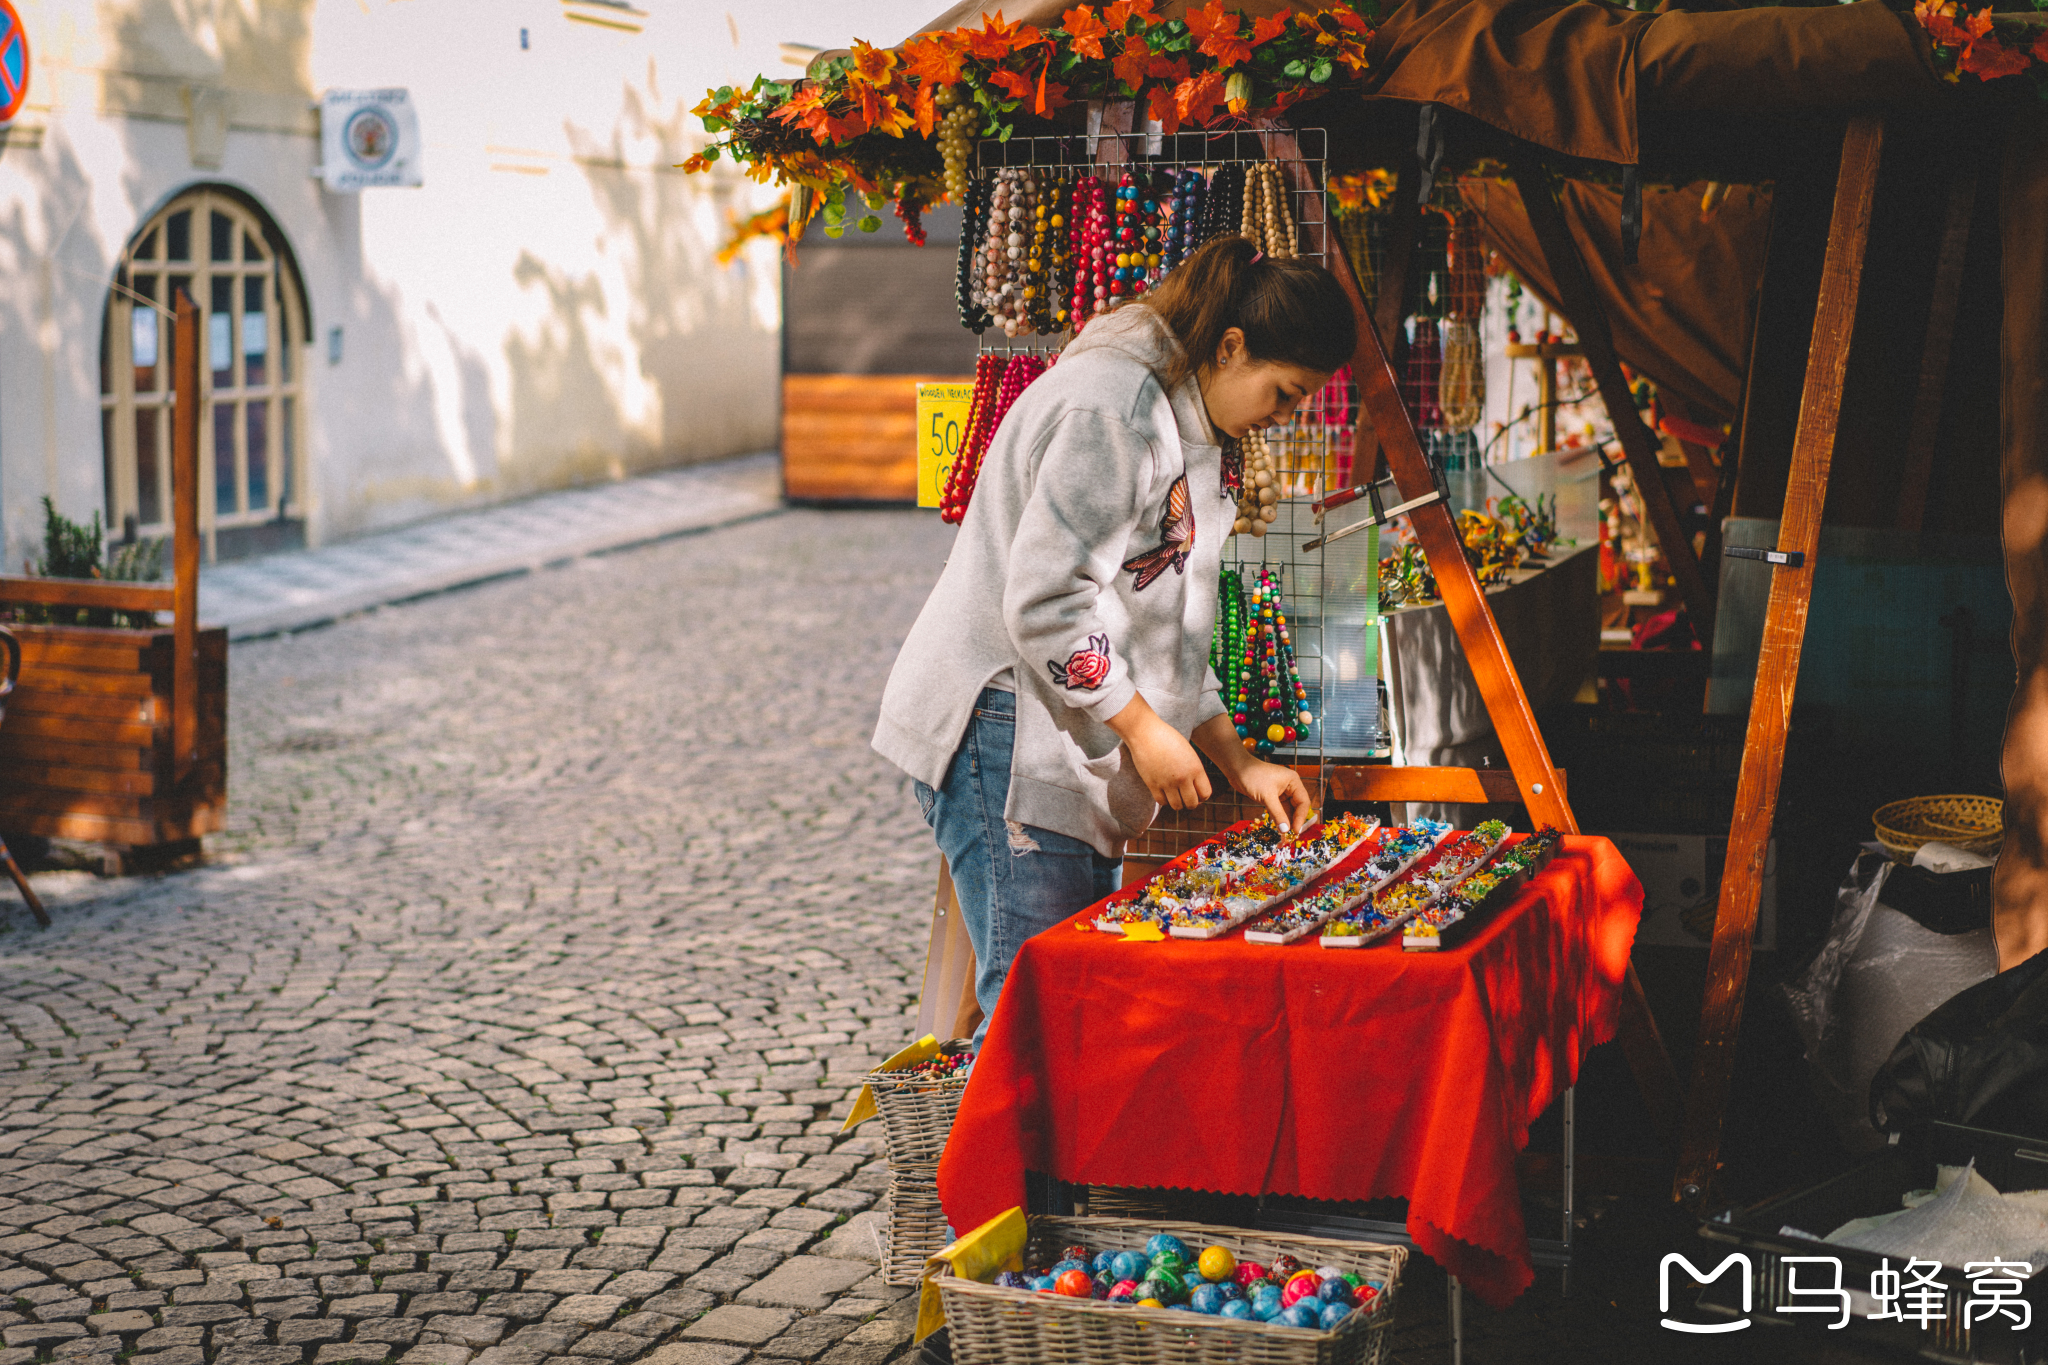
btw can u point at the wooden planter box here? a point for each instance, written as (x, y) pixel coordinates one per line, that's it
(86, 750)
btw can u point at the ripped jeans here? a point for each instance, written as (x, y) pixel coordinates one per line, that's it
(1013, 880)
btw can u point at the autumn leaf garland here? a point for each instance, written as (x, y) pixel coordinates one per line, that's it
(1965, 43)
(849, 123)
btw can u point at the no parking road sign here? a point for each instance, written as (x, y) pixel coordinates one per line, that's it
(13, 61)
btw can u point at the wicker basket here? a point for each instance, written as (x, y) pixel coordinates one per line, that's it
(994, 1326)
(917, 1114)
(1974, 823)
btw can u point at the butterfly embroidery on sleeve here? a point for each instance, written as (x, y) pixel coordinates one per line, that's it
(1177, 539)
(1085, 669)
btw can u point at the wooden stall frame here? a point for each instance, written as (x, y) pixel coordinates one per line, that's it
(1777, 666)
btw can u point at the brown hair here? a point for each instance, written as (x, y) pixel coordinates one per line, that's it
(1292, 312)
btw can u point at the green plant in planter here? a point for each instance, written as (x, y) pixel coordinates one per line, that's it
(72, 550)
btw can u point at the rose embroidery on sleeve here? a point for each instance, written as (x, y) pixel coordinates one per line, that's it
(1085, 669)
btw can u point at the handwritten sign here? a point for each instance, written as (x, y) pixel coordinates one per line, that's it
(941, 427)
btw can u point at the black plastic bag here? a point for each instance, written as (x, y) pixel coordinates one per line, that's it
(1981, 1059)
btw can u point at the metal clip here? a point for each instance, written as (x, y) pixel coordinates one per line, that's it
(1378, 517)
(1790, 559)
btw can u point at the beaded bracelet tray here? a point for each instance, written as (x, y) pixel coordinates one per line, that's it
(1194, 878)
(1457, 914)
(1399, 849)
(1417, 889)
(1277, 877)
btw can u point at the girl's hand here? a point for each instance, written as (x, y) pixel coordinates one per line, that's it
(1276, 787)
(1171, 769)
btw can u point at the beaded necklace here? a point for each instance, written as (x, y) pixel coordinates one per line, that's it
(1258, 491)
(1223, 206)
(967, 274)
(988, 369)
(1090, 218)
(1059, 268)
(1265, 217)
(1270, 705)
(1226, 643)
(1127, 270)
(1184, 223)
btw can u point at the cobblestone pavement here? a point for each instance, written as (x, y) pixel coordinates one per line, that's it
(509, 1024)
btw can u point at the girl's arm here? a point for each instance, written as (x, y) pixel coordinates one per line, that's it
(1277, 787)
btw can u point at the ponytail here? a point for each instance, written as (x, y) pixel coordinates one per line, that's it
(1292, 312)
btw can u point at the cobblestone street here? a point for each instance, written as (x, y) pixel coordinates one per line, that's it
(511, 1021)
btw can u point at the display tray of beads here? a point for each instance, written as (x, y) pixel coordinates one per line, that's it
(1416, 889)
(1456, 915)
(1194, 878)
(1276, 877)
(1398, 850)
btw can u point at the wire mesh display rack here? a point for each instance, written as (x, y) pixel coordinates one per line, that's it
(1330, 591)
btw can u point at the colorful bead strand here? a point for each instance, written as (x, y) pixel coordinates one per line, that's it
(988, 369)
(1089, 216)
(1270, 705)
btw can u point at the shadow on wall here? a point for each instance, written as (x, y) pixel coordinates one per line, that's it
(706, 345)
(55, 271)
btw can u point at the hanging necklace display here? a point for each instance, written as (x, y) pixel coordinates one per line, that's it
(1258, 504)
(1003, 280)
(1185, 219)
(1265, 217)
(988, 370)
(1089, 216)
(1127, 270)
(1222, 206)
(1039, 304)
(1059, 283)
(1268, 703)
(967, 277)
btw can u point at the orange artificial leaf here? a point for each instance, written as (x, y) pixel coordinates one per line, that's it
(871, 64)
(2040, 49)
(1051, 94)
(1164, 113)
(1266, 29)
(1990, 59)
(1938, 21)
(841, 129)
(995, 40)
(1130, 65)
(1217, 27)
(1173, 71)
(697, 162)
(935, 59)
(924, 106)
(1198, 96)
(1015, 84)
(1120, 13)
(1085, 31)
(1978, 24)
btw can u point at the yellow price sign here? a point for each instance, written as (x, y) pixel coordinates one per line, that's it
(941, 427)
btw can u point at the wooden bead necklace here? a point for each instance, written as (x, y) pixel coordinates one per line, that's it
(1127, 270)
(1258, 504)
(1266, 218)
(1038, 261)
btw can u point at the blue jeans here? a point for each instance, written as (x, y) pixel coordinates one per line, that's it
(1013, 880)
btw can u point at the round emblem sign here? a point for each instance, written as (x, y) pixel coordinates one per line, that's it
(13, 61)
(370, 136)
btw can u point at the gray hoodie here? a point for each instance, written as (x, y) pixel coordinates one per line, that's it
(1084, 573)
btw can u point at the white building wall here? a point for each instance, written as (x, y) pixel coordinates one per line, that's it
(545, 311)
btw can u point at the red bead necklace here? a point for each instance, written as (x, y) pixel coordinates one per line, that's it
(1090, 218)
(960, 483)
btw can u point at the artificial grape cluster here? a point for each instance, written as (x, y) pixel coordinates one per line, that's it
(1214, 1283)
(956, 140)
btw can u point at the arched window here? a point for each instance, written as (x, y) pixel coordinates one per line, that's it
(212, 245)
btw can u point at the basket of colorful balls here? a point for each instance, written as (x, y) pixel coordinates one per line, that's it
(1115, 1289)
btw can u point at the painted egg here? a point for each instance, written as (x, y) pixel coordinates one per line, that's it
(1010, 1279)
(1150, 1303)
(1207, 1299)
(1216, 1263)
(1171, 1282)
(1102, 1262)
(1150, 1288)
(1123, 1289)
(1166, 1241)
(1236, 1308)
(1282, 1267)
(1247, 1271)
(1328, 1272)
(1171, 1260)
(1070, 1263)
(1335, 1291)
(1334, 1313)
(1075, 1284)
(1128, 1265)
(1042, 1284)
(1302, 1286)
(1301, 1315)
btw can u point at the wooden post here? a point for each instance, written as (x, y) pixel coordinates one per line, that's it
(185, 423)
(1638, 442)
(1777, 668)
(1538, 784)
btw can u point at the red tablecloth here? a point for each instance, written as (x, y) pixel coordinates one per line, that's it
(1249, 1069)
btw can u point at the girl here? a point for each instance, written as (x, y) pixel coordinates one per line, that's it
(1045, 700)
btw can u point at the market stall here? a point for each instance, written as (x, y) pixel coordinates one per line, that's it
(1247, 1068)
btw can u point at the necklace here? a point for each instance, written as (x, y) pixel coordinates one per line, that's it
(960, 483)
(1127, 270)
(1265, 217)
(967, 273)
(1184, 222)
(1273, 704)
(1258, 491)
(1223, 206)
(1090, 218)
